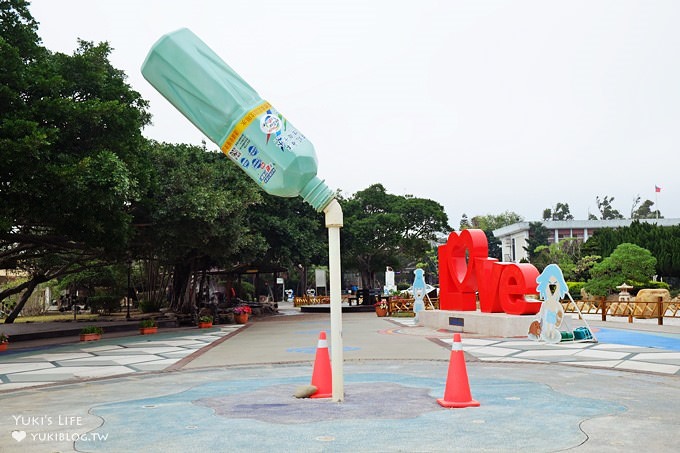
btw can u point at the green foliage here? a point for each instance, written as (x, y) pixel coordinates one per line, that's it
(644, 210)
(111, 277)
(556, 253)
(292, 231)
(575, 289)
(559, 212)
(382, 228)
(464, 223)
(196, 206)
(538, 236)
(628, 263)
(106, 303)
(149, 306)
(92, 329)
(403, 286)
(606, 210)
(146, 323)
(663, 242)
(648, 285)
(492, 222)
(71, 155)
(583, 266)
(245, 290)
(195, 216)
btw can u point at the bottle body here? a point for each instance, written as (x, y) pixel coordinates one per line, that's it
(229, 112)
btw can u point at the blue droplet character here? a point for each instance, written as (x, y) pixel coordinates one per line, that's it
(419, 292)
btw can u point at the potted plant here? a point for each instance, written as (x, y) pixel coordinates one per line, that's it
(241, 314)
(205, 322)
(148, 327)
(4, 341)
(91, 333)
(381, 309)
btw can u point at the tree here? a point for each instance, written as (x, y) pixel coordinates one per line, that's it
(644, 210)
(293, 231)
(559, 212)
(660, 240)
(538, 236)
(564, 253)
(464, 223)
(70, 153)
(494, 222)
(379, 227)
(606, 210)
(583, 267)
(629, 263)
(195, 216)
(547, 214)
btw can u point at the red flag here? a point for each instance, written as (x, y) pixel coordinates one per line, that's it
(657, 189)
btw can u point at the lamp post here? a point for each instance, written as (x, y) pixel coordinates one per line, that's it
(254, 135)
(129, 288)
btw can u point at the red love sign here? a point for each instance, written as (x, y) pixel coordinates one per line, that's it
(465, 270)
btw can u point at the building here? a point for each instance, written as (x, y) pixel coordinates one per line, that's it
(514, 237)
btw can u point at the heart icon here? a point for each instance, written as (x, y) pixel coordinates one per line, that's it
(19, 435)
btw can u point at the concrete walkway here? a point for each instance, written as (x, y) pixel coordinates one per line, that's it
(231, 389)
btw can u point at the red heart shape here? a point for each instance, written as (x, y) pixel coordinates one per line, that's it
(461, 251)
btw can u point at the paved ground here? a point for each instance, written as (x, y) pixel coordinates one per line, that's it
(230, 389)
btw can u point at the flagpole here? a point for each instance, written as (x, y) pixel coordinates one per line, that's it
(657, 189)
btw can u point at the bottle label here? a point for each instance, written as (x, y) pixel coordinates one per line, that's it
(242, 125)
(257, 142)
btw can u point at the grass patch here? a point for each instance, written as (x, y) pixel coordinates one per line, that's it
(403, 314)
(59, 317)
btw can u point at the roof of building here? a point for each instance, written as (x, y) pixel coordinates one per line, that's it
(590, 224)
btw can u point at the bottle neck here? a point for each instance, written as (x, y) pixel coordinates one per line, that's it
(317, 193)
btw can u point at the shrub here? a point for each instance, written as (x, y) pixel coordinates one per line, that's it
(149, 306)
(403, 286)
(146, 323)
(245, 290)
(106, 304)
(575, 289)
(92, 329)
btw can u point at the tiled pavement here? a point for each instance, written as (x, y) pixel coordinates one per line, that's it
(630, 357)
(132, 354)
(104, 358)
(209, 404)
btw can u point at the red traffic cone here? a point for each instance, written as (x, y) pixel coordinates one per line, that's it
(322, 377)
(457, 392)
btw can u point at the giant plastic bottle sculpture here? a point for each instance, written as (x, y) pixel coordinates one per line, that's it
(226, 109)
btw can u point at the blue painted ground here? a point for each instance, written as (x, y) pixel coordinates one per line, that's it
(381, 412)
(633, 338)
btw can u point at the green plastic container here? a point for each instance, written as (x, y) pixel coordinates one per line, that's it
(255, 135)
(567, 336)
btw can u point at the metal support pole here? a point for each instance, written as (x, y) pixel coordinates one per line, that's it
(334, 222)
(129, 269)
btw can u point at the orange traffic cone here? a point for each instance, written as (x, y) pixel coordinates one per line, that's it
(322, 377)
(457, 392)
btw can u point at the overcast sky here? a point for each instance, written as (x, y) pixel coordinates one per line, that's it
(483, 106)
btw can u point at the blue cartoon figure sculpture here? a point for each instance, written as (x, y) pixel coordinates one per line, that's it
(551, 287)
(419, 292)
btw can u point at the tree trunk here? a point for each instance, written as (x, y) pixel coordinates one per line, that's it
(32, 284)
(182, 293)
